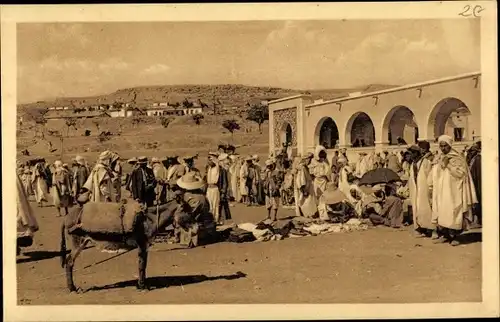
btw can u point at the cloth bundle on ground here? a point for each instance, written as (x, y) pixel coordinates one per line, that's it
(109, 217)
(238, 235)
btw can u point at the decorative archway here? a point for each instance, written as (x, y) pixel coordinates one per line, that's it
(286, 133)
(327, 133)
(360, 130)
(450, 116)
(400, 126)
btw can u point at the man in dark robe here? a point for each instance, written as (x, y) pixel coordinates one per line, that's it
(392, 210)
(143, 183)
(474, 162)
(223, 185)
(80, 176)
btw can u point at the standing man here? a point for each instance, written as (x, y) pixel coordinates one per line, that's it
(306, 201)
(40, 180)
(258, 188)
(116, 167)
(143, 183)
(61, 193)
(272, 184)
(160, 173)
(133, 163)
(421, 201)
(213, 193)
(224, 184)
(453, 193)
(245, 188)
(335, 168)
(80, 176)
(474, 163)
(99, 182)
(321, 171)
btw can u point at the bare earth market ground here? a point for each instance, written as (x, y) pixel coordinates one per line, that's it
(379, 265)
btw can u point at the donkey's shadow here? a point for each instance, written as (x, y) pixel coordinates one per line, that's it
(158, 282)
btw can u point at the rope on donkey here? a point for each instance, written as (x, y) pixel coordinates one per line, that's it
(80, 269)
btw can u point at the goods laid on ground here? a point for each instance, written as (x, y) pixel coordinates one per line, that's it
(288, 228)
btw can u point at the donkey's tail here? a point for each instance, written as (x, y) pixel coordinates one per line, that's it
(63, 244)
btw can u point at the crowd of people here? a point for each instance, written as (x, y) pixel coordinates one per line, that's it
(439, 192)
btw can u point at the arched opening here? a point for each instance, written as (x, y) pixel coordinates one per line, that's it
(327, 133)
(360, 131)
(400, 126)
(451, 117)
(286, 135)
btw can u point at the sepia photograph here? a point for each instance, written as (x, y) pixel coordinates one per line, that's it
(254, 157)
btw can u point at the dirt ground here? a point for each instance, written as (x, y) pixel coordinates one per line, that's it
(380, 265)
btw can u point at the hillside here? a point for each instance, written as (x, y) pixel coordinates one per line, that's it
(228, 95)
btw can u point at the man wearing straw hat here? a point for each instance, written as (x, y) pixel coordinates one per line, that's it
(191, 192)
(272, 183)
(143, 183)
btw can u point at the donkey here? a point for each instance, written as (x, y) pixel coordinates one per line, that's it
(147, 224)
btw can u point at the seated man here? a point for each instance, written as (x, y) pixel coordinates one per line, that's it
(197, 217)
(391, 214)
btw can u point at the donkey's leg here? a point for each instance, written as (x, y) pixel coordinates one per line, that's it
(77, 247)
(143, 262)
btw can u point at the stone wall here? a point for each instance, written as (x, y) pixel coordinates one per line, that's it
(281, 118)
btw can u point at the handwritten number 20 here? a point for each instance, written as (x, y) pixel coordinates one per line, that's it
(471, 11)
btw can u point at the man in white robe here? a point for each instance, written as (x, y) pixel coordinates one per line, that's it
(420, 199)
(99, 183)
(26, 222)
(453, 192)
(344, 172)
(213, 193)
(234, 173)
(321, 171)
(307, 204)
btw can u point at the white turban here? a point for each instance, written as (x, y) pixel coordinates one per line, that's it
(58, 164)
(446, 139)
(319, 148)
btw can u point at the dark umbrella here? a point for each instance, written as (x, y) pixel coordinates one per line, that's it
(377, 176)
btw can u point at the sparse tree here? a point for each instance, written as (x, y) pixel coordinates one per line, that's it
(186, 103)
(231, 125)
(165, 121)
(258, 114)
(70, 123)
(197, 118)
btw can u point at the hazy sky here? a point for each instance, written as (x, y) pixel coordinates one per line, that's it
(96, 58)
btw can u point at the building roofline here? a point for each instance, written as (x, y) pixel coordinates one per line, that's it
(288, 98)
(397, 89)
